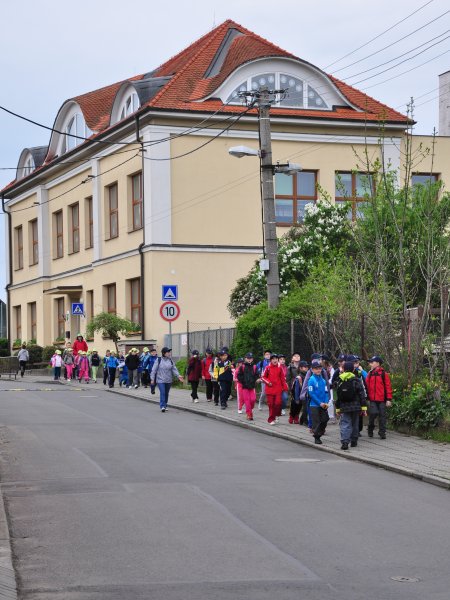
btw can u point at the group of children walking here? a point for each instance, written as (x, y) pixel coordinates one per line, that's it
(315, 391)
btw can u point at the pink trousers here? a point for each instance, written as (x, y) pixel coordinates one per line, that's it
(69, 371)
(248, 399)
(83, 372)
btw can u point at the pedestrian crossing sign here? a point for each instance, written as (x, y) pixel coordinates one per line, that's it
(169, 292)
(77, 308)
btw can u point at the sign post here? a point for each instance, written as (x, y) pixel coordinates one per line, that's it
(169, 311)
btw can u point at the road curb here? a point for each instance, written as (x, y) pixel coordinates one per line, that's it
(433, 480)
(8, 582)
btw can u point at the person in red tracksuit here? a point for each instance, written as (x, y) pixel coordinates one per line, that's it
(379, 394)
(275, 382)
(206, 373)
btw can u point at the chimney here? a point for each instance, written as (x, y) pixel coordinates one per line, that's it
(444, 103)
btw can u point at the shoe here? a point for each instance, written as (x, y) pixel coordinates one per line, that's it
(291, 420)
(283, 412)
(216, 404)
(153, 392)
(136, 387)
(277, 419)
(354, 443)
(296, 421)
(239, 412)
(249, 418)
(120, 384)
(223, 408)
(167, 408)
(370, 434)
(344, 445)
(272, 423)
(382, 436)
(163, 409)
(196, 401)
(208, 400)
(317, 440)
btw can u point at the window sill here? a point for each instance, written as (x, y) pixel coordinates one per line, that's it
(73, 252)
(18, 269)
(137, 229)
(58, 257)
(111, 238)
(33, 264)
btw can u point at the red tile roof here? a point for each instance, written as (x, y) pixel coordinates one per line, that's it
(189, 84)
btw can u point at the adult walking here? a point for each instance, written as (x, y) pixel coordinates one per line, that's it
(79, 344)
(163, 372)
(24, 356)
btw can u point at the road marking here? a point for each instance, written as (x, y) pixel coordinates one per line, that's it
(298, 460)
(92, 461)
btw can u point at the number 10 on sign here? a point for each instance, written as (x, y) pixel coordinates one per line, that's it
(169, 311)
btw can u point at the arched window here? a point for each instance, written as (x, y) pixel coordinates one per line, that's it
(28, 167)
(75, 132)
(298, 93)
(130, 105)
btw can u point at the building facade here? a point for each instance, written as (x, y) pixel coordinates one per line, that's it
(136, 188)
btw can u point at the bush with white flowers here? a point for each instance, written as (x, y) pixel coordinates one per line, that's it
(325, 234)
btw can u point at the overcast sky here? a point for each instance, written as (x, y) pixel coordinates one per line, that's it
(51, 51)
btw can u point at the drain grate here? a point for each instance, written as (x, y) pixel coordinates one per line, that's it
(404, 579)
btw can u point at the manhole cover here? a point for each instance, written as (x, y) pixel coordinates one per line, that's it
(298, 460)
(404, 579)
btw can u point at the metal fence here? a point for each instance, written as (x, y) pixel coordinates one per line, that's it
(9, 365)
(199, 336)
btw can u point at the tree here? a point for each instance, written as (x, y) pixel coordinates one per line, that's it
(324, 234)
(110, 325)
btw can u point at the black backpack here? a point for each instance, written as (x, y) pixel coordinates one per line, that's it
(346, 390)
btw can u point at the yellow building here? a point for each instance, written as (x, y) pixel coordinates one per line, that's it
(136, 188)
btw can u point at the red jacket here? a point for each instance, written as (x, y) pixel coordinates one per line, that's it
(274, 374)
(206, 363)
(378, 384)
(194, 369)
(77, 346)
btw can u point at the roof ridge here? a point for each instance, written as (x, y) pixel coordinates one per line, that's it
(191, 45)
(213, 34)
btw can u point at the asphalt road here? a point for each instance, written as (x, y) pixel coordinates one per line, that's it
(109, 499)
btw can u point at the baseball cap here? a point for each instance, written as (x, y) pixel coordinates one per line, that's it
(316, 356)
(342, 357)
(315, 364)
(375, 358)
(165, 350)
(303, 363)
(249, 355)
(195, 352)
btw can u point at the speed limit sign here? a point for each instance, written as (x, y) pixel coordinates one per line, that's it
(169, 311)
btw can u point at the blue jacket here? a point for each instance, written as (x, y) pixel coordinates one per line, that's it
(317, 391)
(112, 362)
(262, 365)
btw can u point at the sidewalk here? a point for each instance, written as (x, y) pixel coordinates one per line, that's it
(408, 455)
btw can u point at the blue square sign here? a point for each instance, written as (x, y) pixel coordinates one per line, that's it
(77, 308)
(169, 292)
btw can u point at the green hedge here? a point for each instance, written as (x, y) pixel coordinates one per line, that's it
(420, 408)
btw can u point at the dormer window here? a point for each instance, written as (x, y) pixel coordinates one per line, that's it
(130, 105)
(298, 93)
(75, 127)
(28, 167)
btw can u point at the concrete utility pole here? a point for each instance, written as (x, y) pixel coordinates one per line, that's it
(268, 198)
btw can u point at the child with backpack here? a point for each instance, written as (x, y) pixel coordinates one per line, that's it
(194, 374)
(379, 393)
(123, 370)
(275, 382)
(319, 396)
(350, 403)
(83, 366)
(247, 376)
(56, 362)
(206, 373)
(237, 385)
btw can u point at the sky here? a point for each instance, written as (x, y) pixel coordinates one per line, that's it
(51, 51)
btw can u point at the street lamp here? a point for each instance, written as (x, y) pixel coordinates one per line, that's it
(269, 264)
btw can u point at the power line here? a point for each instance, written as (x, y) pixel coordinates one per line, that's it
(397, 57)
(88, 178)
(407, 71)
(380, 34)
(400, 63)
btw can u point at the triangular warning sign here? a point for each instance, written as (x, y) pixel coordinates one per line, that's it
(169, 295)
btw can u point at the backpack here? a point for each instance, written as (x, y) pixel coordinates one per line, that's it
(159, 362)
(346, 390)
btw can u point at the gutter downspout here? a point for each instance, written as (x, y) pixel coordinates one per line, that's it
(142, 244)
(8, 302)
